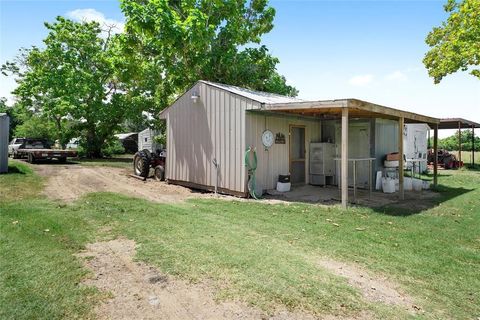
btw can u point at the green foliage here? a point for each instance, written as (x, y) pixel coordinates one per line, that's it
(10, 111)
(455, 45)
(451, 143)
(72, 83)
(36, 127)
(169, 45)
(113, 146)
(161, 139)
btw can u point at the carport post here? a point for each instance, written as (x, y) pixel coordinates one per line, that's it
(435, 154)
(459, 142)
(344, 158)
(401, 192)
(473, 146)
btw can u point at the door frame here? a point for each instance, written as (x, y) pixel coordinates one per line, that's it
(290, 126)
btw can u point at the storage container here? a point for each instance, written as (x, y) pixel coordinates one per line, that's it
(388, 185)
(283, 186)
(417, 184)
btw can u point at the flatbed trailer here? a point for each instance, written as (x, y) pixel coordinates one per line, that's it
(34, 155)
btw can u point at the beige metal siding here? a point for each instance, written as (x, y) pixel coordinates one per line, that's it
(4, 127)
(275, 161)
(212, 128)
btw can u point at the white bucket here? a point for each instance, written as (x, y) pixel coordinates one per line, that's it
(283, 186)
(417, 184)
(407, 184)
(378, 181)
(426, 185)
(388, 185)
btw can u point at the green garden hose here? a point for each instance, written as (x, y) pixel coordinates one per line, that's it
(251, 167)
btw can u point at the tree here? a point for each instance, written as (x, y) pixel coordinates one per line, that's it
(10, 111)
(455, 45)
(72, 83)
(451, 143)
(172, 43)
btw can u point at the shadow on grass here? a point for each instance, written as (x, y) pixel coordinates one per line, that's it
(15, 170)
(409, 207)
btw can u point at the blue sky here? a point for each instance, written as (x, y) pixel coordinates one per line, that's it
(370, 50)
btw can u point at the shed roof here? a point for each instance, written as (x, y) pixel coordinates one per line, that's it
(455, 123)
(123, 136)
(259, 96)
(331, 109)
(323, 109)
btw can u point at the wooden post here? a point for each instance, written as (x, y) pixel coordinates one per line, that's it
(473, 146)
(401, 192)
(344, 158)
(459, 141)
(435, 155)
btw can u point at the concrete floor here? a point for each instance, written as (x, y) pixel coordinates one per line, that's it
(331, 195)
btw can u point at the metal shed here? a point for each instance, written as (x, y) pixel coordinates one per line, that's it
(146, 140)
(215, 123)
(4, 129)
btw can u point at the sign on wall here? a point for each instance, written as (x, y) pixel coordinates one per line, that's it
(279, 138)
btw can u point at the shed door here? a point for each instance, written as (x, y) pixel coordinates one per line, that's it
(359, 147)
(297, 154)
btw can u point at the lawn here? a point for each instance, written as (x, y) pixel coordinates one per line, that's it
(262, 254)
(118, 161)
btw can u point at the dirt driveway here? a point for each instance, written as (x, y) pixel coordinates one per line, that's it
(71, 181)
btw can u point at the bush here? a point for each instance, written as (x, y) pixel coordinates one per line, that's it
(112, 147)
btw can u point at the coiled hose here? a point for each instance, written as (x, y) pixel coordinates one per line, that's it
(251, 167)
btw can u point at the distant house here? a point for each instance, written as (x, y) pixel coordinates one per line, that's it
(129, 141)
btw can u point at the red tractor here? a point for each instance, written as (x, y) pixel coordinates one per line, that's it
(144, 160)
(446, 159)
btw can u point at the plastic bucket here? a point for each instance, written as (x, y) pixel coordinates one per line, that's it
(426, 185)
(417, 184)
(388, 185)
(407, 184)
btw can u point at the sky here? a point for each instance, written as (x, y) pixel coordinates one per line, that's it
(369, 50)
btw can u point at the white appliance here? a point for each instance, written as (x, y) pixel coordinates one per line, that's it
(322, 165)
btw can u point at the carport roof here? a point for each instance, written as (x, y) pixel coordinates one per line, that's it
(332, 109)
(455, 123)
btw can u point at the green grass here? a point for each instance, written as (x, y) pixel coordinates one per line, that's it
(262, 254)
(119, 161)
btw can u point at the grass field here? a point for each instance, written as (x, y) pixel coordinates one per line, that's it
(259, 253)
(118, 161)
(467, 157)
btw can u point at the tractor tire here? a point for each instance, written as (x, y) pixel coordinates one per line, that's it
(141, 164)
(31, 158)
(159, 173)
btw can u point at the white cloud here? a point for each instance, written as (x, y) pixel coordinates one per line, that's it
(397, 76)
(89, 15)
(361, 80)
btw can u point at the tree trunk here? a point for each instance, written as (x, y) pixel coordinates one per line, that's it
(94, 144)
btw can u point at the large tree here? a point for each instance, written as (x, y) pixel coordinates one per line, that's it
(72, 82)
(173, 43)
(455, 45)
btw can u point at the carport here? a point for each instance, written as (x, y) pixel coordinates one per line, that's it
(346, 109)
(460, 123)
